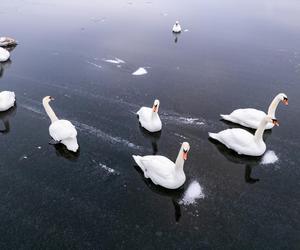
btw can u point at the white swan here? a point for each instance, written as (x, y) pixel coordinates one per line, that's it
(7, 41)
(163, 171)
(176, 27)
(149, 117)
(244, 142)
(4, 55)
(251, 117)
(62, 131)
(7, 100)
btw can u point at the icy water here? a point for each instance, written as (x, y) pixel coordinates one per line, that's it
(232, 54)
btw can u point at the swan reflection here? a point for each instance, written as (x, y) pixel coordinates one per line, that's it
(250, 162)
(5, 118)
(152, 137)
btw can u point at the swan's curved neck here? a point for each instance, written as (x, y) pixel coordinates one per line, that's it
(273, 106)
(260, 130)
(50, 112)
(179, 161)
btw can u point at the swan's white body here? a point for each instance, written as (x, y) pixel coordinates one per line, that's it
(149, 118)
(163, 171)
(7, 41)
(176, 27)
(7, 100)
(4, 55)
(242, 141)
(251, 118)
(62, 131)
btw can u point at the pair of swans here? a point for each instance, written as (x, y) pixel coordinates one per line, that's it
(160, 169)
(241, 140)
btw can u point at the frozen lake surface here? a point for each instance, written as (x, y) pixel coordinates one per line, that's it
(83, 53)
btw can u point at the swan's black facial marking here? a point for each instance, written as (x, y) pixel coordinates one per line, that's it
(275, 122)
(285, 100)
(185, 151)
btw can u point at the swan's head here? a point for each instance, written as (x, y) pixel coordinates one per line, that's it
(272, 120)
(47, 99)
(283, 98)
(177, 22)
(155, 106)
(185, 149)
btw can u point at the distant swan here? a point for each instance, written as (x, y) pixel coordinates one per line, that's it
(7, 41)
(244, 142)
(149, 117)
(251, 118)
(163, 171)
(7, 100)
(62, 131)
(4, 55)
(176, 27)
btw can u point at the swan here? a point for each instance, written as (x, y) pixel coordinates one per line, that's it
(244, 142)
(7, 41)
(62, 131)
(4, 55)
(176, 27)
(251, 118)
(7, 100)
(163, 171)
(149, 118)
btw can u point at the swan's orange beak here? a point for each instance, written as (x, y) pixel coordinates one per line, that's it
(275, 122)
(185, 155)
(285, 101)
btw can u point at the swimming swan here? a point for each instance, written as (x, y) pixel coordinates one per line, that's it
(7, 41)
(62, 131)
(7, 100)
(176, 27)
(244, 142)
(163, 171)
(251, 117)
(149, 118)
(4, 55)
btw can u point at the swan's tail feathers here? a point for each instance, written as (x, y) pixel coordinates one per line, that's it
(137, 159)
(71, 144)
(226, 117)
(213, 135)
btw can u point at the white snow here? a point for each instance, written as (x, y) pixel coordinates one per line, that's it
(114, 61)
(186, 30)
(94, 64)
(193, 192)
(108, 169)
(139, 72)
(186, 120)
(269, 157)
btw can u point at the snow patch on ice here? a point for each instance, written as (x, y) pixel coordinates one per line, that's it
(193, 192)
(114, 61)
(269, 158)
(186, 30)
(108, 169)
(104, 136)
(94, 64)
(140, 71)
(187, 120)
(183, 120)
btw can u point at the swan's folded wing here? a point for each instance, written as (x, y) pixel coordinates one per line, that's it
(158, 166)
(62, 129)
(236, 137)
